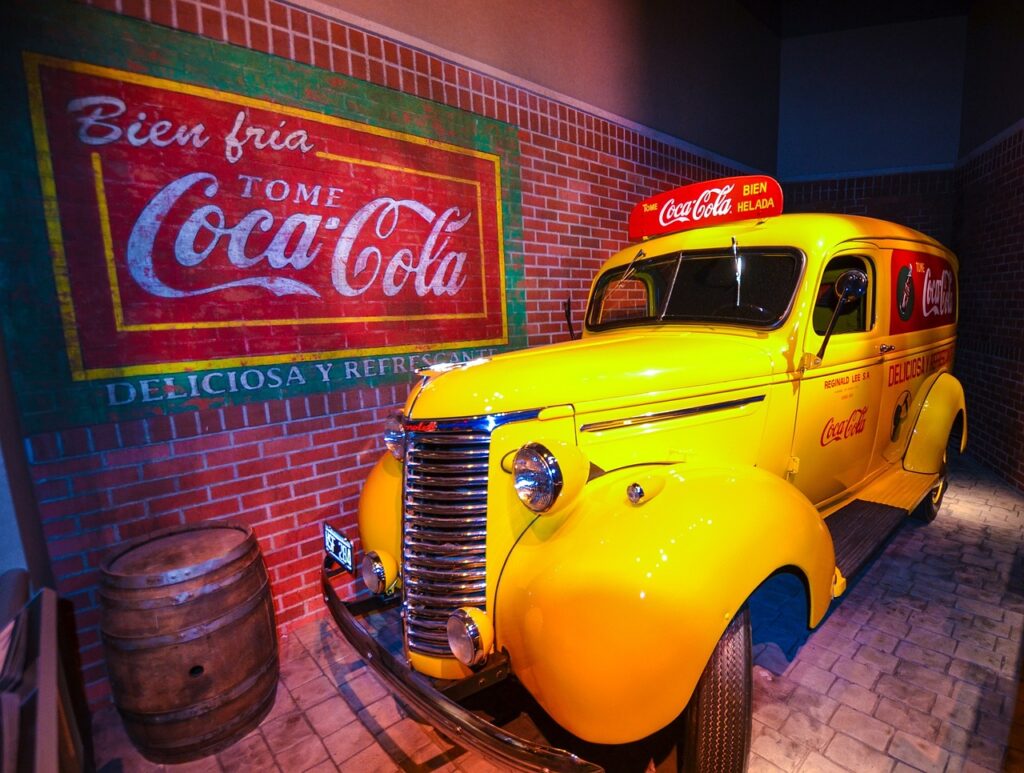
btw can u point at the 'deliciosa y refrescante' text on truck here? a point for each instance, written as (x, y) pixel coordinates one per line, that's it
(753, 392)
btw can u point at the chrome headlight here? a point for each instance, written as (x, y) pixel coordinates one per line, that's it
(537, 477)
(394, 436)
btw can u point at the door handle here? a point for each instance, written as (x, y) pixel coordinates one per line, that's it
(886, 348)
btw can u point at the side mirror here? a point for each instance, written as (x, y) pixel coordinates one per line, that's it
(850, 285)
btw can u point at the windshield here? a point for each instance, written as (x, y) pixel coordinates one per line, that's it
(749, 287)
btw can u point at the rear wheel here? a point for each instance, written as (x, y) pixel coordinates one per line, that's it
(929, 506)
(716, 723)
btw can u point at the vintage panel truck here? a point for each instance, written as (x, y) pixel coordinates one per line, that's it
(753, 393)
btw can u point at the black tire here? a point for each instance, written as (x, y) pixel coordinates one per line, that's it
(716, 723)
(929, 506)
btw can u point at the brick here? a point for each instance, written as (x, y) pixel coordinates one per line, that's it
(990, 611)
(930, 679)
(901, 690)
(777, 748)
(146, 490)
(917, 752)
(179, 500)
(812, 677)
(816, 763)
(981, 657)
(863, 674)
(854, 755)
(807, 730)
(882, 661)
(854, 696)
(863, 727)
(878, 639)
(902, 717)
(948, 710)
(816, 704)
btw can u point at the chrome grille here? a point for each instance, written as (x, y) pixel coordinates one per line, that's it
(445, 532)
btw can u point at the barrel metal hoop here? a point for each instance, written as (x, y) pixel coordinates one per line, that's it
(202, 707)
(240, 574)
(132, 643)
(172, 577)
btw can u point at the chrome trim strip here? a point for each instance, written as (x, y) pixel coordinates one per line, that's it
(650, 418)
(470, 423)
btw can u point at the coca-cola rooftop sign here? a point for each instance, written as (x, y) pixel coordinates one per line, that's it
(706, 203)
(200, 229)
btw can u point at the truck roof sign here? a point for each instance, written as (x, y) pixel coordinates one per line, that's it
(711, 202)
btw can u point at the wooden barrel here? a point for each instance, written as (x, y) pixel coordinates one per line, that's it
(188, 631)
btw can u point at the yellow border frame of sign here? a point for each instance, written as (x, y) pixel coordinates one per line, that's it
(51, 211)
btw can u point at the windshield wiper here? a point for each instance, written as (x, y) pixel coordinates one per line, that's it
(671, 289)
(627, 273)
(739, 270)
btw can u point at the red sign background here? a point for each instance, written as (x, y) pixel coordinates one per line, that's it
(201, 228)
(924, 292)
(704, 204)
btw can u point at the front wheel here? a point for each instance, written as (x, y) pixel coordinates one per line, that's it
(716, 723)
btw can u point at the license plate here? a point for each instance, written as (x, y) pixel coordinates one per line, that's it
(338, 546)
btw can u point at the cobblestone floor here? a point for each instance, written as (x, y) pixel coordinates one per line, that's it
(916, 669)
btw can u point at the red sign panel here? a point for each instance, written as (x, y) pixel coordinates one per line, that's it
(706, 203)
(195, 227)
(923, 292)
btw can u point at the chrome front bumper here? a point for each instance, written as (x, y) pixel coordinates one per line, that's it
(460, 726)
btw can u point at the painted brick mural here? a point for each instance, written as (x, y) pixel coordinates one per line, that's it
(163, 413)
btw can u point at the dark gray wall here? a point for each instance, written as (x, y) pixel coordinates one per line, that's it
(704, 72)
(994, 83)
(871, 99)
(12, 556)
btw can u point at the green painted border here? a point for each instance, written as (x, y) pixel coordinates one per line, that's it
(48, 397)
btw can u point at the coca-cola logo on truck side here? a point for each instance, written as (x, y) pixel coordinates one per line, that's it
(844, 428)
(923, 292)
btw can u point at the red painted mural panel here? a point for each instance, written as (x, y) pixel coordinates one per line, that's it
(204, 229)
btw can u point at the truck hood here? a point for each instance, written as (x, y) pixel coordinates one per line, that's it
(627, 366)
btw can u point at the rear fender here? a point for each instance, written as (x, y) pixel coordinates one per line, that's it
(927, 448)
(610, 611)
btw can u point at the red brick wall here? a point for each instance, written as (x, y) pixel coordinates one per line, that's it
(282, 467)
(989, 238)
(286, 466)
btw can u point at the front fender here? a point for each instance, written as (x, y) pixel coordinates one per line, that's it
(380, 507)
(610, 611)
(927, 448)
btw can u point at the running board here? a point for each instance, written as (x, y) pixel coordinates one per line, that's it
(857, 531)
